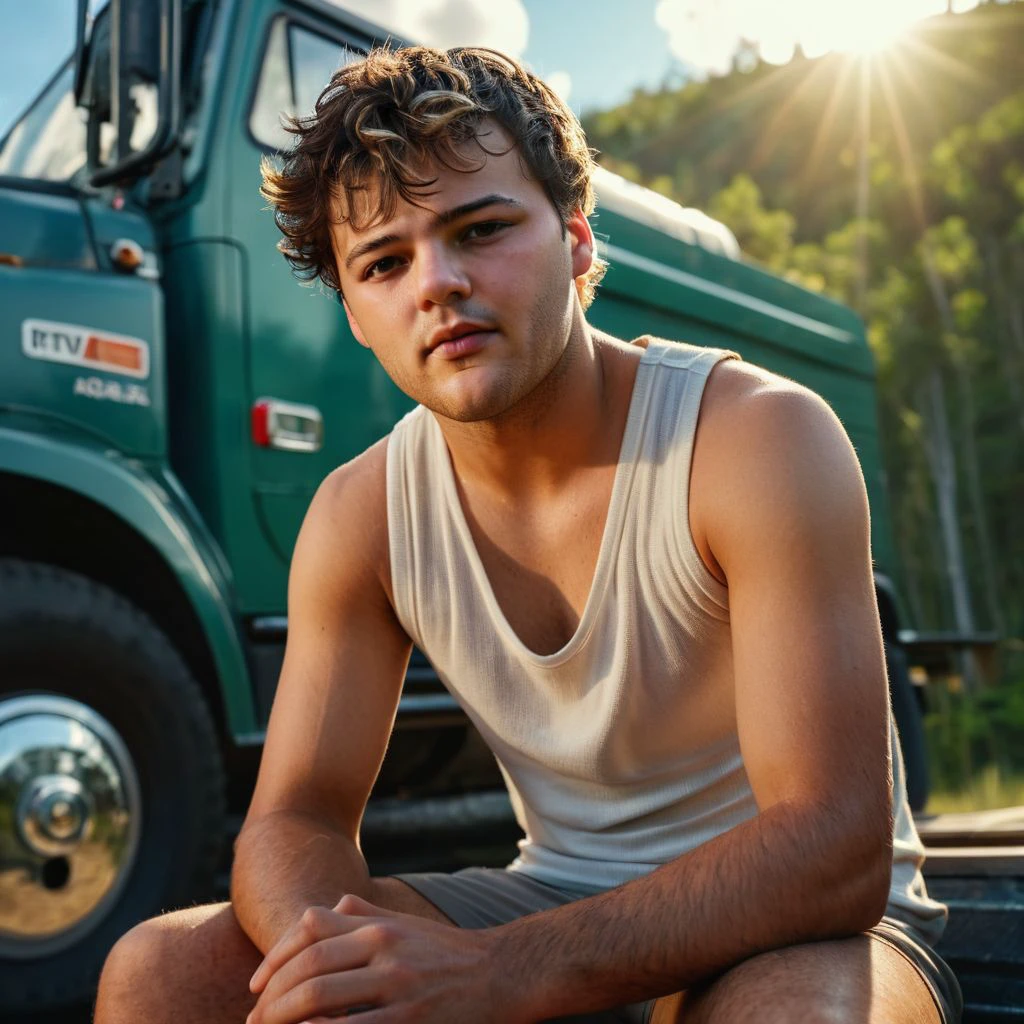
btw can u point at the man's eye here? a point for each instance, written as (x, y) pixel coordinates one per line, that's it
(485, 229)
(381, 266)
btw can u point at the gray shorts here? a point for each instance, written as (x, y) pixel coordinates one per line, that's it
(485, 897)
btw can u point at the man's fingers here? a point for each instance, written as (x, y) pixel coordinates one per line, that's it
(357, 906)
(316, 924)
(383, 1015)
(329, 956)
(328, 996)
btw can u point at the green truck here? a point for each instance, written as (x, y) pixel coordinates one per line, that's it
(170, 399)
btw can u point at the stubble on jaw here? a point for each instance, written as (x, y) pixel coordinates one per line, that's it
(527, 388)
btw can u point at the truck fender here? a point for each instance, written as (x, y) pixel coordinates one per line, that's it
(155, 506)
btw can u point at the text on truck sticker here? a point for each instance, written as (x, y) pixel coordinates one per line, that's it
(112, 391)
(85, 346)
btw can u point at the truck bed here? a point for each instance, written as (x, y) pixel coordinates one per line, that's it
(976, 866)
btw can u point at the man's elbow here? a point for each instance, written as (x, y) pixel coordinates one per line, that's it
(868, 877)
(871, 898)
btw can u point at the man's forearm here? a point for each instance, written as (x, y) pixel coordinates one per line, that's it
(285, 863)
(775, 880)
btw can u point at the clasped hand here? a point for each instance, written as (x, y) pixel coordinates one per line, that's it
(385, 967)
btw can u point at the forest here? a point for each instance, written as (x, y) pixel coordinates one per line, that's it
(895, 183)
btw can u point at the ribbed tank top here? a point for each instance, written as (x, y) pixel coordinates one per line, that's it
(620, 751)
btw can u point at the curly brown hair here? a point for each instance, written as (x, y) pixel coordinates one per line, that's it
(382, 118)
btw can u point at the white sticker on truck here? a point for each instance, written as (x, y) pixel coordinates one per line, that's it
(85, 346)
(106, 390)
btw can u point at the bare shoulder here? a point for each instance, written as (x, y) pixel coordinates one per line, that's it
(345, 529)
(770, 455)
(363, 478)
(745, 405)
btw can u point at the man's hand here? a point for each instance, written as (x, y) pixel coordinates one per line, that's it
(388, 967)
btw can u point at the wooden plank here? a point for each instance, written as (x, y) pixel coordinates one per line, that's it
(1004, 825)
(1001, 861)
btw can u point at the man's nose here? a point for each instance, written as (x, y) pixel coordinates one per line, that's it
(441, 277)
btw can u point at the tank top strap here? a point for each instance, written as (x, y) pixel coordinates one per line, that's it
(697, 358)
(411, 491)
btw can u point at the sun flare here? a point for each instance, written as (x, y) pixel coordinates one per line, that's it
(873, 38)
(867, 27)
(706, 35)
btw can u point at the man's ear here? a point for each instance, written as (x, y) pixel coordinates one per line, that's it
(581, 240)
(354, 326)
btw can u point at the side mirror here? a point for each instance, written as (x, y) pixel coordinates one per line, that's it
(139, 42)
(142, 44)
(92, 80)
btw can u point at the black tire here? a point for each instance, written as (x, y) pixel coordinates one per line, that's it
(62, 634)
(910, 725)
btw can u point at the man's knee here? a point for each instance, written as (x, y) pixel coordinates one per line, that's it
(129, 967)
(198, 954)
(836, 982)
(138, 950)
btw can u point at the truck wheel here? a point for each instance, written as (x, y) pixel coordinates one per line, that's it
(111, 785)
(906, 710)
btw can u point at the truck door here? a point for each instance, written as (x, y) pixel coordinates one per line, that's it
(317, 397)
(81, 332)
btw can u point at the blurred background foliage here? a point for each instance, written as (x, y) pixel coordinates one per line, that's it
(895, 183)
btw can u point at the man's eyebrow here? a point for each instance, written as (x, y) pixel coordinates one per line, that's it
(494, 199)
(447, 217)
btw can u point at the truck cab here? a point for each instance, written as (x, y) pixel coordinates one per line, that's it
(170, 398)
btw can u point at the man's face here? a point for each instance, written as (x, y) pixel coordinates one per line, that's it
(468, 299)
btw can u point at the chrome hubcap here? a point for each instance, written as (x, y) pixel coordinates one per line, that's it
(70, 813)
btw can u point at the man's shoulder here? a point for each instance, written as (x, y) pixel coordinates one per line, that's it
(349, 510)
(743, 403)
(766, 444)
(358, 481)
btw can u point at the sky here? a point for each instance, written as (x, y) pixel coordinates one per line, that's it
(594, 52)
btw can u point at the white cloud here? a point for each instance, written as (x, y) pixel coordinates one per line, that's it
(561, 83)
(500, 24)
(705, 34)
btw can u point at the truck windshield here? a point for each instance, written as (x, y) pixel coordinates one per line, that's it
(43, 136)
(47, 140)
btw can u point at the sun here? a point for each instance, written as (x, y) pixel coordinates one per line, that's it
(866, 27)
(872, 38)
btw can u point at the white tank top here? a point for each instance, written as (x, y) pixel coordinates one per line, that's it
(620, 750)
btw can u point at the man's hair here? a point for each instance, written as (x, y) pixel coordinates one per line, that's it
(382, 119)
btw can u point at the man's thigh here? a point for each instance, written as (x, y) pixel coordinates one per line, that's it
(393, 894)
(859, 980)
(195, 964)
(487, 897)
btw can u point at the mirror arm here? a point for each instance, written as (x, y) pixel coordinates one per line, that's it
(81, 17)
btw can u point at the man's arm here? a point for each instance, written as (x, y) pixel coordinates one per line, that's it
(787, 522)
(333, 711)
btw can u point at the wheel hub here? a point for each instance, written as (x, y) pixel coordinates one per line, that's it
(55, 813)
(70, 813)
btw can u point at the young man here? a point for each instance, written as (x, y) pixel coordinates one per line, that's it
(643, 568)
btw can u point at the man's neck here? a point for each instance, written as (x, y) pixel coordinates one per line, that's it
(574, 420)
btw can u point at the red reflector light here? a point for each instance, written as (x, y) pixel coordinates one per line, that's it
(260, 424)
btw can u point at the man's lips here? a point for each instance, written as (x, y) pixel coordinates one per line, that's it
(459, 339)
(464, 345)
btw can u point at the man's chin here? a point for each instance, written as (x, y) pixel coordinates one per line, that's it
(473, 406)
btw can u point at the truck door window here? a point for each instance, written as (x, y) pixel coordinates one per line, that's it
(297, 65)
(48, 141)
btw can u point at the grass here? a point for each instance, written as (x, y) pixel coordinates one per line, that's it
(988, 789)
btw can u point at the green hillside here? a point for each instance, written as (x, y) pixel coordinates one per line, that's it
(896, 184)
